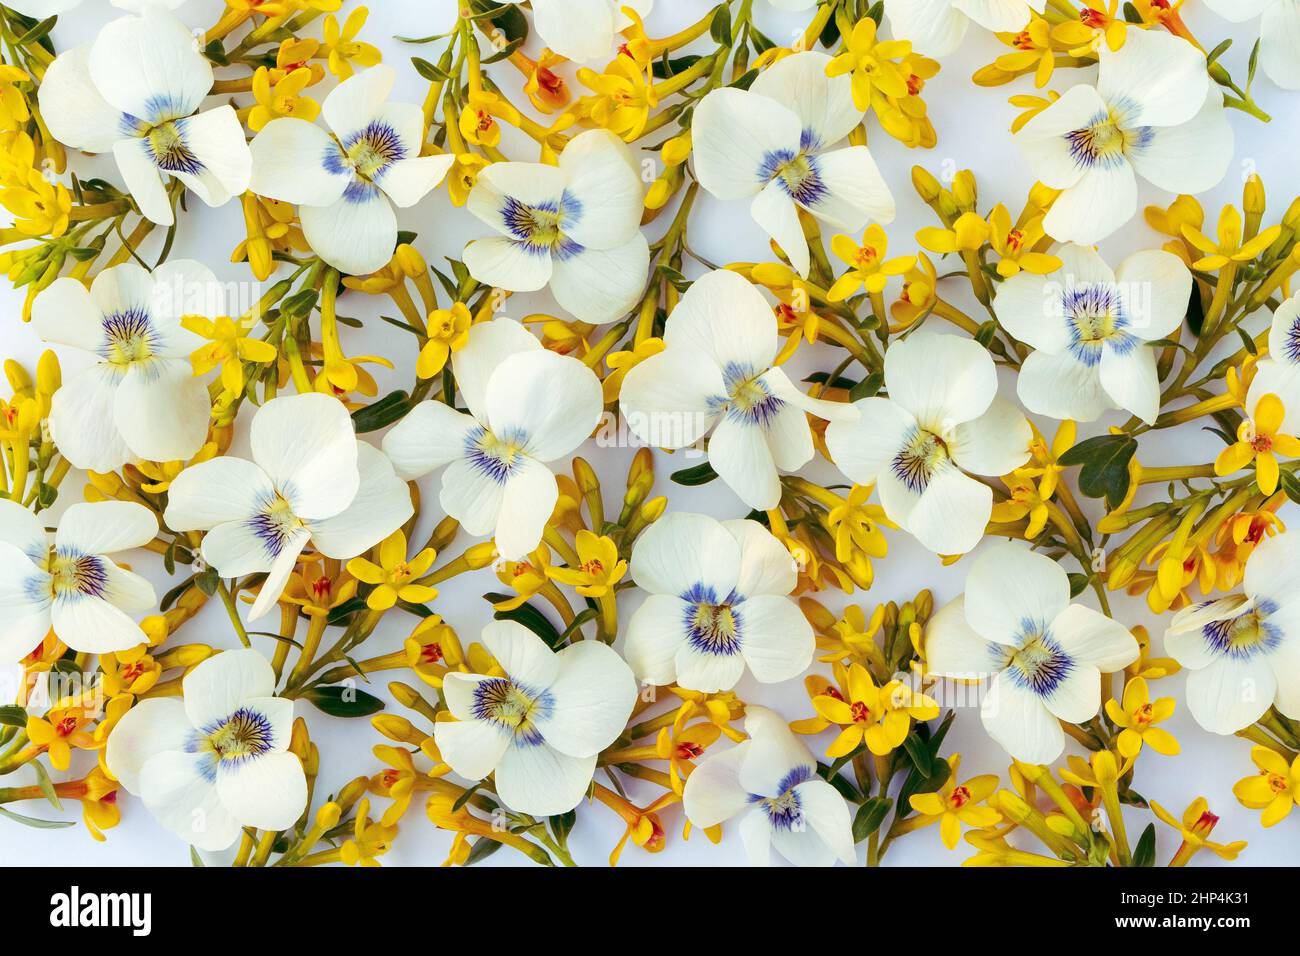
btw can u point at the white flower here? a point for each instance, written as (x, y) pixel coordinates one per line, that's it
(527, 407)
(540, 726)
(1243, 651)
(41, 9)
(936, 27)
(716, 369)
(1091, 329)
(140, 400)
(1278, 373)
(773, 142)
(1279, 35)
(1015, 623)
(942, 419)
(134, 92)
(310, 480)
(346, 184)
(69, 582)
(583, 30)
(575, 227)
(1154, 110)
(217, 762)
(717, 602)
(772, 779)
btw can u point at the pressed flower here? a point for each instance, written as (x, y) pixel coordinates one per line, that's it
(537, 725)
(218, 761)
(527, 407)
(1092, 330)
(954, 804)
(717, 372)
(1275, 789)
(775, 145)
(148, 70)
(69, 582)
(574, 227)
(1045, 656)
(771, 779)
(394, 576)
(717, 605)
(346, 181)
(310, 481)
(943, 418)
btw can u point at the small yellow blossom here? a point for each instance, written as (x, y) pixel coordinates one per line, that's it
(868, 267)
(448, 332)
(1138, 715)
(282, 98)
(1259, 440)
(869, 60)
(955, 804)
(342, 48)
(229, 346)
(1015, 245)
(395, 575)
(1229, 246)
(599, 568)
(1275, 789)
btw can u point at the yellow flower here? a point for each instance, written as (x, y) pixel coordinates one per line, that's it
(1183, 211)
(342, 47)
(14, 111)
(1138, 716)
(918, 296)
(526, 577)
(868, 267)
(1229, 247)
(870, 63)
(271, 227)
(956, 804)
(1030, 106)
(478, 120)
(369, 840)
(1024, 500)
(1015, 244)
(1146, 666)
(620, 363)
(448, 332)
(967, 234)
(296, 54)
(680, 746)
(544, 87)
(281, 99)
(228, 346)
(644, 827)
(131, 671)
(40, 208)
(159, 475)
(319, 585)
(463, 176)
(1258, 439)
(1033, 52)
(854, 635)
(394, 575)
(622, 100)
(600, 567)
(62, 729)
(1195, 827)
(1237, 538)
(1085, 35)
(1275, 789)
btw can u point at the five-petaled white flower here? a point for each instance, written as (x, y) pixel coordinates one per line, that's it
(527, 406)
(135, 92)
(936, 27)
(717, 602)
(716, 369)
(1154, 110)
(583, 30)
(575, 227)
(1278, 372)
(42, 9)
(1243, 651)
(942, 418)
(540, 724)
(68, 582)
(773, 142)
(346, 184)
(310, 480)
(217, 762)
(141, 399)
(1091, 329)
(1279, 35)
(1015, 624)
(772, 779)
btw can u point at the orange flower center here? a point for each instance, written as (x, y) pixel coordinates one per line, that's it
(861, 712)
(960, 797)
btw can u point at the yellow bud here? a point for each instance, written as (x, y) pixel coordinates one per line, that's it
(444, 534)
(1252, 196)
(654, 509)
(328, 816)
(820, 618)
(676, 150)
(405, 694)
(300, 740)
(481, 555)
(48, 375)
(410, 261)
(926, 186)
(1105, 768)
(394, 727)
(352, 791)
(963, 189)
(110, 485)
(155, 628)
(643, 463)
(19, 380)
(1042, 197)
(585, 476)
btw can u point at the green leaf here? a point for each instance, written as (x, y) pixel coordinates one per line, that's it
(37, 33)
(392, 407)
(481, 850)
(47, 786)
(343, 701)
(869, 817)
(701, 474)
(919, 754)
(1145, 854)
(208, 581)
(11, 715)
(34, 822)
(195, 859)
(1078, 583)
(1290, 484)
(720, 25)
(868, 387)
(1248, 341)
(1104, 464)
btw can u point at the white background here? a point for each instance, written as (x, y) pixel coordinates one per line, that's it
(972, 126)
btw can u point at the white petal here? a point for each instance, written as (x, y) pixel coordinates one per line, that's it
(591, 699)
(1231, 693)
(726, 318)
(357, 100)
(739, 454)
(855, 192)
(502, 188)
(277, 576)
(162, 410)
(706, 671)
(106, 527)
(655, 633)
(215, 492)
(953, 649)
(1092, 637)
(788, 437)
(216, 138)
(541, 781)
(756, 837)
(143, 181)
(460, 692)
(268, 792)
(600, 285)
(776, 639)
(91, 625)
(472, 748)
(766, 567)
(1273, 572)
(1062, 387)
(824, 104)
(527, 501)
(1279, 39)
(1000, 16)
(407, 181)
(64, 313)
(1076, 697)
(22, 529)
(578, 30)
(777, 215)
(1155, 285)
(473, 496)
(548, 402)
(713, 792)
(522, 655)
(603, 193)
(735, 133)
(382, 505)
(288, 164)
(1190, 157)
(1131, 380)
(307, 446)
(935, 27)
(864, 448)
(76, 114)
(779, 384)
(1283, 333)
(827, 818)
(24, 604)
(1012, 593)
(1016, 718)
(1032, 308)
(952, 512)
(508, 264)
(178, 790)
(222, 684)
(996, 443)
(1046, 140)
(683, 554)
(178, 288)
(490, 344)
(151, 727)
(669, 399)
(1239, 12)
(1103, 199)
(356, 235)
(1160, 80)
(150, 67)
(943, 380)
(431, 435)
(775, 754)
